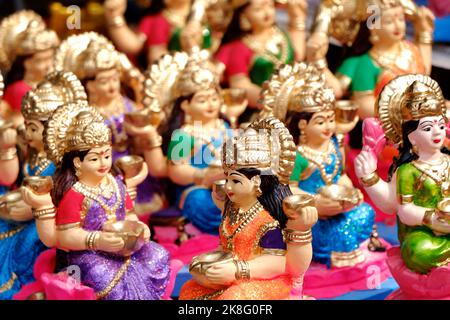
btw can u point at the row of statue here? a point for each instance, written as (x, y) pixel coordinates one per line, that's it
(237, 128)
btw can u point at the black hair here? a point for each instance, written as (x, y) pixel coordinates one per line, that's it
(234, 31)
(64, 177)
(293, 118)
(273, 193)
(17, 70)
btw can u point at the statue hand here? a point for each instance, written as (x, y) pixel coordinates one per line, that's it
(21, 211)
(8, 139)
(114, 8)
(424, 21)
(297, 8)
(109, 242)
(212, 175)
(316, 46)
(365, 163)
(147, 131)
(305, 220)
(36, 201)
(327, 207)
(222, 274)
(147, 232)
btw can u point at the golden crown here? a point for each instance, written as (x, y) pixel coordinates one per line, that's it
(266, 145)
(23, 33)
(300, 87)
(408, 97)
(96, 57)
(56, 89)
(74, 127)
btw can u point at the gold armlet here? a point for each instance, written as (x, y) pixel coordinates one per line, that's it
(242, 269)
(405, 198)
(154, 142)
(370, 179)
(8, 154)
(44, 214)
(297, 24)
(297, 237)
(132, 192)
(426, 221)
(67, 226)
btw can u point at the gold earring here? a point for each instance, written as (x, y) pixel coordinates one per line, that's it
(302, 137)
(374, 38)
(77, 172)
(245, 24)
(414, 149)
(258, 191)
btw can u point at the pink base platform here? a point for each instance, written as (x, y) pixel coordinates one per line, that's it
(414, 286)
(323, 283)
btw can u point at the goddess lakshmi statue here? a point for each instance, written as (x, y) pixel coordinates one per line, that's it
(252, 261)
(102, 70)
(20, 244)
(386, 53)
(26, 56)
(412, 112)
(253, 46)
(92, 211)
(298, 94)
(184, 90)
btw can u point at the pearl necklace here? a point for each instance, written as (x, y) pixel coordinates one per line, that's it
(319, 159)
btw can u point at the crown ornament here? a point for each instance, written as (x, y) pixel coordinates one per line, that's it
(405, 98)
(265, 145)
(74, 127)
(56, 89)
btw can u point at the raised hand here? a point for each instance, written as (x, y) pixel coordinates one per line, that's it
(365, 163)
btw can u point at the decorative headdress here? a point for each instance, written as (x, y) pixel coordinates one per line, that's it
(386, 4)
(266, 145)
(176, 75)
(75, 127)
(405, 98)
(56, 89)
(300, 87)
(23, 33)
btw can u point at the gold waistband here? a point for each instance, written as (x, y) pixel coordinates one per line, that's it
(115, 280)
(10, 233)
(8, 284)
(346, 259)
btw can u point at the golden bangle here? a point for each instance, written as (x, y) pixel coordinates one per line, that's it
(370, 179)
(117, 21)
(406, 198)
(297, 237)
(67, 226)
(8, 154)
(132, 192)
(44, 213)
(297, 24)
(242, 269)
(425, 37)
(426, 221)
(154, 142)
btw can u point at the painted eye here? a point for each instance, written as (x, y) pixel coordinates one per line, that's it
(236, 181)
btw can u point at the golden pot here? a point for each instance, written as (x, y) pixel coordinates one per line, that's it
(143, 117)
(130, 166)
(7, 202)
(443, 209)
(132, 233)
(39, 185)
(234, 96)
(200, 264)
(292, 205)
(348, 197)
(346, 111)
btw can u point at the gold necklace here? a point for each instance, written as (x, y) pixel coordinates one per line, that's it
(40, 162)
(437, 172)
(401, 61)
(94, 194)
(248, 216)
(319, 159)
(269, 49)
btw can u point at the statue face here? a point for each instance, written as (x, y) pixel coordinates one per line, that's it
(239, 189)
(260, 14)
(204, 105)
(106, 86)
(34, 130)
(429, 135)
(320, 127)
(392, 25)
(39, 64)
(96, 164)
